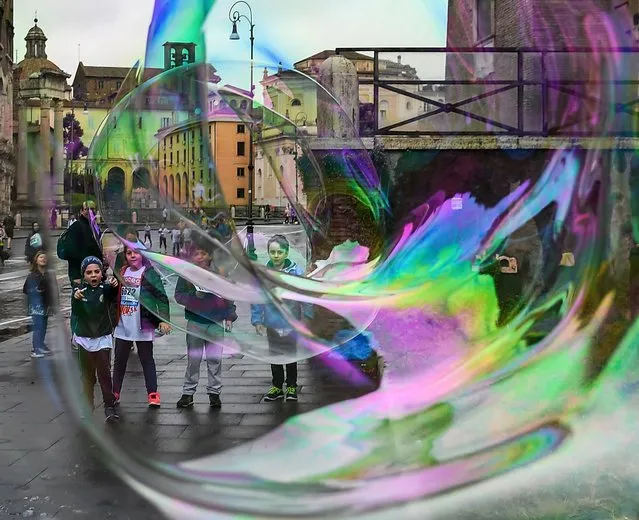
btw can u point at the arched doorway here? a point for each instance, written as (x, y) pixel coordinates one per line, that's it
(185, 187)
(178, 190)
(141, 178)
(141, 192)
(172, 189)
(114, 188)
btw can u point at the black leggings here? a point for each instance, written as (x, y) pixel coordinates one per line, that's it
(145, 353)
(163, 241)
(92, 363)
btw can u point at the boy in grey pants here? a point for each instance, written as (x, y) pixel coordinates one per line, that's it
(208, 316)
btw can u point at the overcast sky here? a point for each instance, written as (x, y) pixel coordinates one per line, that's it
(286, 30)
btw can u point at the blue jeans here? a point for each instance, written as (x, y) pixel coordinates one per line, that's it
(39, 331)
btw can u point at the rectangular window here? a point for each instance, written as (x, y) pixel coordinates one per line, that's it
(178, 156)
(241, 148)
(240, 172)
(171, 156)
(171, 141)
(140, 122)
(201, 153)
(192, 135)
(484, 19)
(193, 154)
(100, 84)
(200, 133)
(240, 129)
(201, 175)
(240, 193)
(210, 174)
(165, 160)
(210, 129)
(165, 142)
(193, 175)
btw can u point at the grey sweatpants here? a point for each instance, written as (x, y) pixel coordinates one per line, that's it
(195, 347)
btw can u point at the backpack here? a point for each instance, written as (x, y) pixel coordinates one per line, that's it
(63, 245)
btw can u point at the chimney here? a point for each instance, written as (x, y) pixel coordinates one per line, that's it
(399, 59)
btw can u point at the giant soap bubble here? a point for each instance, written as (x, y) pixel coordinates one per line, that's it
(505, 379)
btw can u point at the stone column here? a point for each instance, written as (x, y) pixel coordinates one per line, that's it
(43, 176)
(58, 153)
(339, 76)
(22, 174)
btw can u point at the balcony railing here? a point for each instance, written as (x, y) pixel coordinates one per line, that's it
(581, 92)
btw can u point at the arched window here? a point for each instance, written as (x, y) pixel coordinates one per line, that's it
(296, 103)
(185, 56)
(243, 104)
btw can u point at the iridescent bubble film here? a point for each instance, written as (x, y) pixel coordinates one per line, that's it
(490, 284)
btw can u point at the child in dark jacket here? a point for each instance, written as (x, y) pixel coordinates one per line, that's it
(37, 287)
(208, 317)
(92, 305)
(143, 307)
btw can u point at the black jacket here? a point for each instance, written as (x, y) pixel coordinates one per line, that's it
(209, 309)
(95, 317)
(80, 236)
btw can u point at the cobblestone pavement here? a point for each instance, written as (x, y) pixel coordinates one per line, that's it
(48, 468)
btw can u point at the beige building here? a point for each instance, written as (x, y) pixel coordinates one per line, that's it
(40, 92)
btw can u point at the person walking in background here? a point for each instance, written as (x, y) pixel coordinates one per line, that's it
(165, 216)
(269, 321)
(9, 226)
(143, 307)
(34, 243)
(54, 217)
(79, 242)
(176, 239)
(147, 235)
(93, 304)
(38, 288)
(72, 220)
(3, 238)
(208, 317)
(163, 232)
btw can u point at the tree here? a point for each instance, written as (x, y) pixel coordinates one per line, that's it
(74, 148)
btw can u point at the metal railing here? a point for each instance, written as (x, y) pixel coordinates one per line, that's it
(579, 92)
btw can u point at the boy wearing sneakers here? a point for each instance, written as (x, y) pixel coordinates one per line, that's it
(208, 317)
(92, 304)
(268, 321)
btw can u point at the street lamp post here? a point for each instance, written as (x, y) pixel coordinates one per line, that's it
(235, 17)
(300, 119)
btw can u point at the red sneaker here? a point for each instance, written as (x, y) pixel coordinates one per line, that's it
(154, 400)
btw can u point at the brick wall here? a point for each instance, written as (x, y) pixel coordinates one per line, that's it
(545, 24)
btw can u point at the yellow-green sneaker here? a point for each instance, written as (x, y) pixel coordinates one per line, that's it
(274, 394)
(291, 393)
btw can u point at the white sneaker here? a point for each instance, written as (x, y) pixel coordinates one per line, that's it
(36, 355)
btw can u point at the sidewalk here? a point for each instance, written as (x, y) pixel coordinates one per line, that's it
(47, 469)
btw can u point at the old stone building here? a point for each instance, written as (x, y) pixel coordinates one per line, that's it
(7, 159)
(40, 91)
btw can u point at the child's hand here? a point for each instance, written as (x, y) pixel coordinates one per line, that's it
(113, 281)
(260, 329)
(79, 294)
(165, 328)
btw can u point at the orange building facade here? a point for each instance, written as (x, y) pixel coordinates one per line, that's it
(204, 163)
